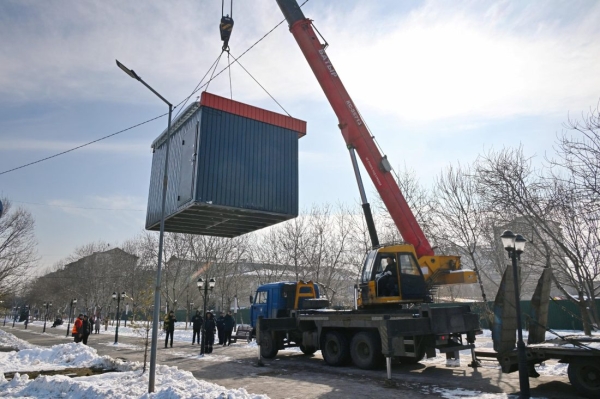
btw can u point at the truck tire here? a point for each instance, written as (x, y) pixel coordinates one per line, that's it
(335, 350)
(268, 346)
(308, 350)
(584, 375)
(365, 350)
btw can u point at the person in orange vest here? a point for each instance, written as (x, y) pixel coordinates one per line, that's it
(77, 330)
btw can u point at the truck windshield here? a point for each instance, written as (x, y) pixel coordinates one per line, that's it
(368, 266)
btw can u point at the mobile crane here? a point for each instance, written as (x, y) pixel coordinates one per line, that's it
(382, 323)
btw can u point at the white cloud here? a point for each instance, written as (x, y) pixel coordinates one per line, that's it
(58, 146)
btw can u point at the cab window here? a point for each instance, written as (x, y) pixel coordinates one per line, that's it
(408, 265)
(368, 266)
(261, 297)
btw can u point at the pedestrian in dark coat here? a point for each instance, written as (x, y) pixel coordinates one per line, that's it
(209, 332)
(169, 327)
(196, 326)
(220, 328)
(86, 329)
(228, 326)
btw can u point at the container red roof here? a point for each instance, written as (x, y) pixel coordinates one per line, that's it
(248, 111)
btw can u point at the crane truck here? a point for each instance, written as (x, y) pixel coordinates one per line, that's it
(392, 317)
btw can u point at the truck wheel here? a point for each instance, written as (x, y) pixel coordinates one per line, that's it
(365, 350)
(584, 375)
(268, 346)
(335, 349)
(308, 350)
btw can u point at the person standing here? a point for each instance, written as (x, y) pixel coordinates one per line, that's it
(76, 331)
(196, 326)
(209, 331)
(228, 326)
(169, 327)
(86, 329)
(97, 325)
(220, 328)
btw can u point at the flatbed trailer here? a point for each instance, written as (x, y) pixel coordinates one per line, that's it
(367, 337)
(581, 353)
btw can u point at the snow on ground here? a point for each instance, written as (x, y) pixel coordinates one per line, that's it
(171, 382)
(129, 382)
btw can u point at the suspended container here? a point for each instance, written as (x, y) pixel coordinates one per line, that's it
(233, 169)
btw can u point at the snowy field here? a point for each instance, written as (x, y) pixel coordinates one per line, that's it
(171, 382)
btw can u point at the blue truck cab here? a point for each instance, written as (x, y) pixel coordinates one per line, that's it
(277, 300)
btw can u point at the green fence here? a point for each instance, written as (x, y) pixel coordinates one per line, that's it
(562, 314)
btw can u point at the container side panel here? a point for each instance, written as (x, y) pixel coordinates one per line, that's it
(247, 164)
(174, 172)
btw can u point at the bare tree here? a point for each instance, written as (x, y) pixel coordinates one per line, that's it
(17, 248)
(547, 205)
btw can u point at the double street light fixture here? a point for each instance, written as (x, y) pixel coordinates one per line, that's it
(118, 297)
(156, 315)
(202, 286)
(46, 305)
(73, 302)
(515, 245)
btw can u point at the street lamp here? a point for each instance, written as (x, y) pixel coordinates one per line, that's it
(206, 287)
(156, 315)
(515, 244)
(118, 297)
(73, 302)
(47, 304)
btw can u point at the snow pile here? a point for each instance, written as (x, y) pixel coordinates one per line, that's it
(57, 357)
(9, 340)
(170, 382)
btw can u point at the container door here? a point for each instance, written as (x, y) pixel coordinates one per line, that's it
(187, 173)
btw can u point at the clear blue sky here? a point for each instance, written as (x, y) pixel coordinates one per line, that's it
(437, 82)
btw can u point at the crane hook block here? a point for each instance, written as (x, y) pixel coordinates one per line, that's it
(225, 27)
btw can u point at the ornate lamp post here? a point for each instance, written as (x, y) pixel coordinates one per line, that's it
(156, 315)
(73, 302)
(46, 305)
(515, 244)
(118, 297)
(202, 286)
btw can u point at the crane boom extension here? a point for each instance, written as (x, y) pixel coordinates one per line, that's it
(353, 129)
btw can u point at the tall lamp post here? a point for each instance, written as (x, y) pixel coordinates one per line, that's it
(73, 302)
(515, 244)
(46, 305)
(202, 286)
(118, 297)
(156, 315)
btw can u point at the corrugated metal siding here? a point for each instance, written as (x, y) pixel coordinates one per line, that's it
(247, 164)
(248, 111)
(157, 172)
(246, 176)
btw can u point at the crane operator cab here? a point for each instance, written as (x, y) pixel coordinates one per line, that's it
(391, 275)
